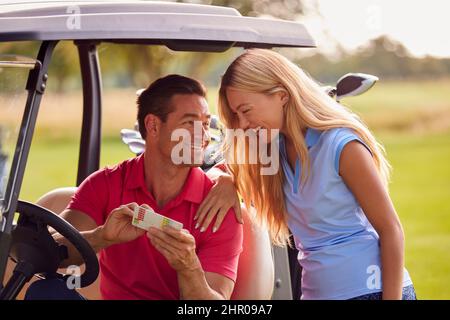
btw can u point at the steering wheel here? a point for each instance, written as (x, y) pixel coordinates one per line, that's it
(36, 252)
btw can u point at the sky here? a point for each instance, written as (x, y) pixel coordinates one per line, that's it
(420, 25)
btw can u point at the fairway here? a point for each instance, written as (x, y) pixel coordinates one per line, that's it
(411, 122)
(420, 190)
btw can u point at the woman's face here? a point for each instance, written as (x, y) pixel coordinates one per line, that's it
(257, 110)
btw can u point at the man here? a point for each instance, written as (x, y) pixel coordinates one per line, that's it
(192, 263)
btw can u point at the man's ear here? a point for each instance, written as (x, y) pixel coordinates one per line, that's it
(152, 125)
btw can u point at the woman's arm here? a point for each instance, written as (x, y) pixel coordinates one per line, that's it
(359, 172)
(219, 200)
(217, 171)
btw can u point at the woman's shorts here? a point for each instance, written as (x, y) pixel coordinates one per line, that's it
(408, 294)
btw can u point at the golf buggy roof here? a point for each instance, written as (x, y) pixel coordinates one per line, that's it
(179, 26)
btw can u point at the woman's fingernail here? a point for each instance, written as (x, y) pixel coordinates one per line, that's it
(197, 225)
(195, 218)
(214, 229)
(202, 229)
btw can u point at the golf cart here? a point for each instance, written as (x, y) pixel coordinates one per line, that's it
(180, 27)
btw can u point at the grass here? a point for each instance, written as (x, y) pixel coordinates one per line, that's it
(420, 191)
(420, 107)
(411, 119)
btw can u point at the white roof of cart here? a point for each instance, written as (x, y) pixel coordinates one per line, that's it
(165, 23)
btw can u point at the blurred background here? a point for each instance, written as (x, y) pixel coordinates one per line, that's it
(403, 43)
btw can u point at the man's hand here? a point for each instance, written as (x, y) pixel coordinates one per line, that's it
(118, 227)
(177, 246)
(219, 200)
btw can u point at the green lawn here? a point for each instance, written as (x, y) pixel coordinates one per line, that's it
(420, 191)
(411, 119)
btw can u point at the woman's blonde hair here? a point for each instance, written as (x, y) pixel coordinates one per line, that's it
(265, 71)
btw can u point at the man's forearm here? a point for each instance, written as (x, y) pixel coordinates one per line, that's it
(193, 286)
(94, 238)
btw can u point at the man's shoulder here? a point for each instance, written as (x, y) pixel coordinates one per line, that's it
(114, 172)
(125, 165)
(206, 182)
(229, 222)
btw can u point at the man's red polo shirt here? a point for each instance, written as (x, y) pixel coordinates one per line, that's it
(136, 270)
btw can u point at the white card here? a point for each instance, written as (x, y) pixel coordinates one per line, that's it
(145, 218)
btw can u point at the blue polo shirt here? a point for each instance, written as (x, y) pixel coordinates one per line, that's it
(339, 249)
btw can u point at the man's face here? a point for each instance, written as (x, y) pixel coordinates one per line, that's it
(188, 125)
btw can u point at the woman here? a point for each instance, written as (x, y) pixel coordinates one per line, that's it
(331, 189)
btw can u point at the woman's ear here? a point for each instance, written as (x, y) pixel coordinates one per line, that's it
(284, 96)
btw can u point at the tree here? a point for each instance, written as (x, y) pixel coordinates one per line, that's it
(383, 57)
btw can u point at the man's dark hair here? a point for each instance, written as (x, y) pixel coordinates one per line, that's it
(156, 98)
